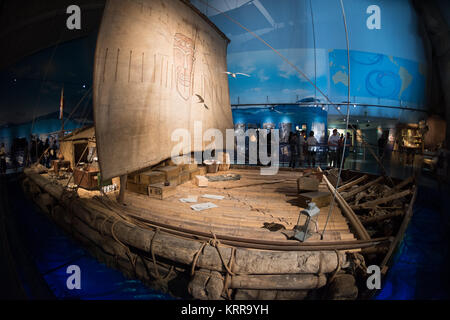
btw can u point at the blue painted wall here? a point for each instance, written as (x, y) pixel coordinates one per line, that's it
(41, 127)
(387, 65)
(314, 118)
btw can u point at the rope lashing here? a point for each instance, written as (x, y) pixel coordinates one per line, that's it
(132, 257)
(197, 254)
(227, 282)
(216, 244)
(338, 267)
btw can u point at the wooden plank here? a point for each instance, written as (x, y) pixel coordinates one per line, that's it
(404, 183)
(352, 183)
(373, 203)
(349, 213)
(355, 191)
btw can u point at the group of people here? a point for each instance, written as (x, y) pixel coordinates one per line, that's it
(336, 144)
(306, 147)
(301, 146)
(36, 151)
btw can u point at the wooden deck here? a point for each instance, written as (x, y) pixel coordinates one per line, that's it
(248, 203)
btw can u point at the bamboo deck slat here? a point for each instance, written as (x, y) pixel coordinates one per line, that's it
(242, 212)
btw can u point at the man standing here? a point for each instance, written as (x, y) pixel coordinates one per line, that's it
(301, 147)
(311, 142)
(2, 159)
(348, 144)
(382, 145)
(293, 148)
(333, 145)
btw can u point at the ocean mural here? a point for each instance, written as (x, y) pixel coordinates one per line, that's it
(303, 42)
(377, 79)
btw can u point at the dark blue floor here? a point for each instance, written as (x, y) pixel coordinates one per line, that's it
(421, 266)
(53, 251)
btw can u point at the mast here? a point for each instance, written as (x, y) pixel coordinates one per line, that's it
(61, 113)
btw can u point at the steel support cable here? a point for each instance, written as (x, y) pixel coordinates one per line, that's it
(78, 104)
(315, 55)
(45, 77)
(302, 74)
(346, 127)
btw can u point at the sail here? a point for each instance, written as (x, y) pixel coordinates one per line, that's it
(159, 66)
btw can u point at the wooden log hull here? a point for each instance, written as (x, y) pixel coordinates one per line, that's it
(157, 257)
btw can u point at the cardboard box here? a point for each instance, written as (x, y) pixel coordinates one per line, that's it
(321, 199)
(160, 191)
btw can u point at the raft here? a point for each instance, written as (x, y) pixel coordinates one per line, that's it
(221, 254)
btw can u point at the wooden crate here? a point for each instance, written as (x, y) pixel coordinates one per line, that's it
(224, 159)
(160, 191)
(305, 184)
(202, 170)
(189, 167)
(184, 177)
(137, 187)
(152, 177)
(194, 173)
(86, 179)
(171, 172)
(321, 199)
(133, 178)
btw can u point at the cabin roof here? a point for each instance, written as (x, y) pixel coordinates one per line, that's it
(86, 132)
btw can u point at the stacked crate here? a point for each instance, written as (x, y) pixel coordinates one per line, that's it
(161, 180)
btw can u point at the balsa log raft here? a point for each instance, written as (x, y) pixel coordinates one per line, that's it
(113, 239)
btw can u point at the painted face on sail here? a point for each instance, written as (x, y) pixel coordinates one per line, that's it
(184, 60)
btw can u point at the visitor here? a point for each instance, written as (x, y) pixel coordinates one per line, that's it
(341, 147)
(293, 149)
(2, 159)
(311, 142)
(333, 145)
(348, 144)
(301, 143)
(382, 141)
